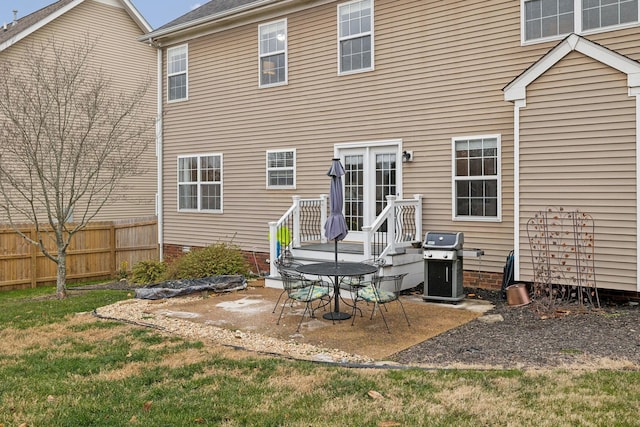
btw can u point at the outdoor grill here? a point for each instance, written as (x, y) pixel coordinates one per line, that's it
(443, 254)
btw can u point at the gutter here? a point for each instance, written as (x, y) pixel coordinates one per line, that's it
(154, 35)
(210, 18)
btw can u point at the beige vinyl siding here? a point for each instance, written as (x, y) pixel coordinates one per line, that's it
(439, 72)
(128, 63)
(577, 151)
(403, 98)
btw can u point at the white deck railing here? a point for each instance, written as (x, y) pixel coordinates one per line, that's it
(398, 225)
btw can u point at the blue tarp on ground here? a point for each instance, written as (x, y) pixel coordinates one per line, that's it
(174, 288)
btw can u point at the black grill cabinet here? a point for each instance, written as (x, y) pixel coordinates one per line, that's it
(443, 266)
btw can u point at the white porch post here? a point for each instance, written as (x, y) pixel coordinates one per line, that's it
(273, 233)
(391, 224)
(418, 198)
(296, 223)
(323, 216)
(367, 241)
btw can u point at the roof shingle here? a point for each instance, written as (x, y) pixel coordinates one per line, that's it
(31, 19)
(212, 7)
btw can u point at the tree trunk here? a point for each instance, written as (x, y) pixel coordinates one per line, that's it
(61, 280)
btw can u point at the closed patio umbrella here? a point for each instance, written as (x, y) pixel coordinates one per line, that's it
(336, 226)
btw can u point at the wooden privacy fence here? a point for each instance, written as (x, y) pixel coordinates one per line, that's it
(97, 252)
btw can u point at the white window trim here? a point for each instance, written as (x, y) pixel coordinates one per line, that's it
(371, 33)
(454, 217)
(186, 73)
(577, 25)
(285, 51)
(267, 169)
(198, 183)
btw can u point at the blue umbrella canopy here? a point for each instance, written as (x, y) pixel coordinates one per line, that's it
(336, 226)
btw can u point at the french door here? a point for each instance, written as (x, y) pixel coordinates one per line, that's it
(371, 174)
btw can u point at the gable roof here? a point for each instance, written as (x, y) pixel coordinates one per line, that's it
(517, 89)
(27, 25)
(213, 7)
(217, 13)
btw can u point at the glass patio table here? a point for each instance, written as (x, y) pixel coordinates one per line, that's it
(337, 271)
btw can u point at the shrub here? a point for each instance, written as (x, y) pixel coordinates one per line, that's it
(214, 260)
(123, 272)
(150, 271)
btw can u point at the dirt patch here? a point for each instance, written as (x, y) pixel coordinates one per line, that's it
(246, 319)
(504, 337)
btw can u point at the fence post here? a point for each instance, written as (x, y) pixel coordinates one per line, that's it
(114, 260)
(34, 259)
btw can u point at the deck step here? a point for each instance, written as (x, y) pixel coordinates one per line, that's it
(408, 260)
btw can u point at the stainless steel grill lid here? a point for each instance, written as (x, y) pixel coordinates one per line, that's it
(443, 240)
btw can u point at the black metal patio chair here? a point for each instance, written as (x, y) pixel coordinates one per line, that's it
(380, 294)
(301, 289)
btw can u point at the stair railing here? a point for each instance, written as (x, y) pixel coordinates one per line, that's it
(398, 225)
(303, 222)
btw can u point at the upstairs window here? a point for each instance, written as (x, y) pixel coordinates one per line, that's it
(552, 19)
(273, 53)
(177, 73)
(355, 36)
(547, 18)
(200, 183)
(606, 13)
(476, 177)
(281, 169)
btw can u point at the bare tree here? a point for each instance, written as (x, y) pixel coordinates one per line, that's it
(68, 139)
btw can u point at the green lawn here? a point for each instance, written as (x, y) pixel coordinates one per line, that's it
(60, 368)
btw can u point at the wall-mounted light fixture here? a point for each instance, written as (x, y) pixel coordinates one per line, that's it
(407, 156)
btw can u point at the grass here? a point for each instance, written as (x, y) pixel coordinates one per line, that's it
(60, 368)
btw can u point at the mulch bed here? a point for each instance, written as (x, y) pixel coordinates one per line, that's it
(533, 336)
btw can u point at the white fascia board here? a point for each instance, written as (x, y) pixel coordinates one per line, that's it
(35, 27)
(517, 90)
(608, 57)
(206, 19)
(137, 16)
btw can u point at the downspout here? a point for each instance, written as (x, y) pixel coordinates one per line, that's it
(159, 158)
(633, 80)
(518, 104)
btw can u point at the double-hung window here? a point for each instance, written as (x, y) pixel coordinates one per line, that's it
(273, 53)
(281, 169)
(177, 73)
(476, 177)
(355, 36)
(200, 183)
(549, 19)
(607, 13)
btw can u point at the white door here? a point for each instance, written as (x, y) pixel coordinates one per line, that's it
(371, 174)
